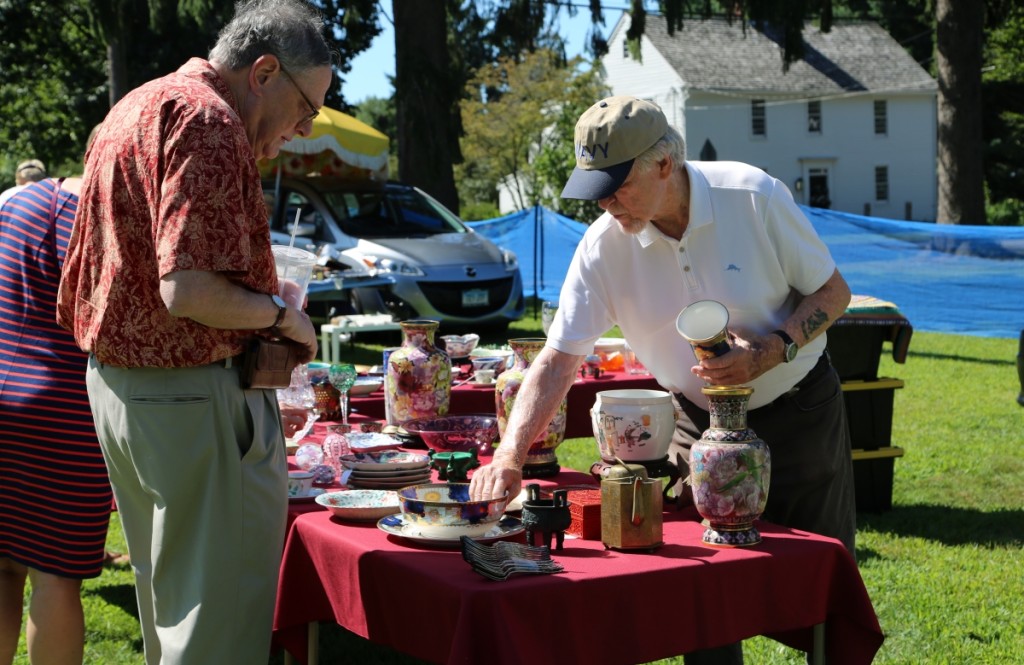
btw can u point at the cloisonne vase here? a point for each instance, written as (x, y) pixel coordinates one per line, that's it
(419, 375)
(540, 458)
(730, 469)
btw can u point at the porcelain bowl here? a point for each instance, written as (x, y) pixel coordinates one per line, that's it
(361, 505)
(444, 510)
(460, 346)
(456, 433)
(366, 385)
(497, 359)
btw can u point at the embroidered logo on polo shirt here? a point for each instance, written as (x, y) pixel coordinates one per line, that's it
(733, 266)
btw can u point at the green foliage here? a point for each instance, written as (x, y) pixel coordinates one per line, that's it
(479, 210)
(519, 123)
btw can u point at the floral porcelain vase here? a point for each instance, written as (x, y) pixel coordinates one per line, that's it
(419, 375)
(540, 458)
(730, 469)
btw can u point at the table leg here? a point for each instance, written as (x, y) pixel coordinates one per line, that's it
(313, 642)
(325, 337)
(817, 655)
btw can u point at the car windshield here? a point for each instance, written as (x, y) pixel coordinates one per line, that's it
(397, 212)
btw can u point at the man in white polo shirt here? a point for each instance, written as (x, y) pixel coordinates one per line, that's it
(675, 232)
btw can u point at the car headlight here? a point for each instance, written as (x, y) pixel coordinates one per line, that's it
(509, 258)
(392, 266)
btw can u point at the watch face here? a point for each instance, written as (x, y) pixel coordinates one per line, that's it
(791, 352)
(278, 300)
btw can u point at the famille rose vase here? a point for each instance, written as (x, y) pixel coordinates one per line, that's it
(730, 469)
(540, 458)
(419, 375)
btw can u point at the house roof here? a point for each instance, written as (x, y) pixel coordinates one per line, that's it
(715, 56)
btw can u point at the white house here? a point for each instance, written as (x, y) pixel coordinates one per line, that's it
(851, 127)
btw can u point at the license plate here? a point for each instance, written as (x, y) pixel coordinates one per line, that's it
(475, 298)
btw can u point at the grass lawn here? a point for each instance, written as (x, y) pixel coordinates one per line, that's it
(943, 567)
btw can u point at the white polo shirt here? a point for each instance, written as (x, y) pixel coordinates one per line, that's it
(747, 245)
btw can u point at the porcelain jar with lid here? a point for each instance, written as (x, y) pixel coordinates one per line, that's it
(633, 425)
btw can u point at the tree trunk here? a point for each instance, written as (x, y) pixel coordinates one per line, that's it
(958, 37)
(118, 70)
(425, 99)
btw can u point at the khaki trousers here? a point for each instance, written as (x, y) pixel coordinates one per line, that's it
(199, 471)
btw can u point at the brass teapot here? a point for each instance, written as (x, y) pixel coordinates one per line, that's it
(631, 509)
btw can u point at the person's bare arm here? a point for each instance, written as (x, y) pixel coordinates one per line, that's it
(548, 380)
(753, 355)
(213, 300)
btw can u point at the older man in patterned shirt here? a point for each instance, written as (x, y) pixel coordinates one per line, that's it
(168, 275)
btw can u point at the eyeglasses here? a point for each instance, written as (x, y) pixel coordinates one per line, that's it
(313, 111)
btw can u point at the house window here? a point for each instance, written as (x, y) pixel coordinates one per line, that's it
(881, 183)
(814, 117)
(757, 119)
(881, 117)
(625, 49)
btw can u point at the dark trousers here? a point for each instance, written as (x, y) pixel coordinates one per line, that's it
(811, 485)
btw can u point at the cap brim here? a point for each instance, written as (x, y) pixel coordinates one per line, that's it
(596, 183)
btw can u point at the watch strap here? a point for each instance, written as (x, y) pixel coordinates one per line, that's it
(282, 310)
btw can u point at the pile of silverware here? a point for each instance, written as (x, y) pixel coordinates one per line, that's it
(504, 559)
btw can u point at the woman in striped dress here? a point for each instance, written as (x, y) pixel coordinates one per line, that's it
(55, 497)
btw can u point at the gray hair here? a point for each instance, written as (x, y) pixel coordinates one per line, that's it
(672, 145)
(291, 30)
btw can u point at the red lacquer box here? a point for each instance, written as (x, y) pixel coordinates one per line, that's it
(585, 508)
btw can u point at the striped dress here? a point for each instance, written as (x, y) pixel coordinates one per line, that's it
(55, 497)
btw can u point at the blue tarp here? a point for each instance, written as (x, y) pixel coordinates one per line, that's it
(543, 240)
(966, 280)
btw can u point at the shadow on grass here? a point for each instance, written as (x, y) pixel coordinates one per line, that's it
(949, 525)
(959, 358)
(118, 595)
(338, 645)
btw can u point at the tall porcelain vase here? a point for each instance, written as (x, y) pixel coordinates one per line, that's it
(541, 460)
(419, 375)
(730, 470)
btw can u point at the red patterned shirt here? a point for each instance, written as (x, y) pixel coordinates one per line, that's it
(170, 184)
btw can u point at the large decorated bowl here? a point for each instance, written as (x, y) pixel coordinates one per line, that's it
(460, 346)
(444, 510)
(456, 433)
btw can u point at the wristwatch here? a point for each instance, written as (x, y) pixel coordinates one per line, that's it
(282, 309)
(790, 349)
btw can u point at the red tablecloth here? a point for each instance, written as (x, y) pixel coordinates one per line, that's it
(467, 398)
(607, 607)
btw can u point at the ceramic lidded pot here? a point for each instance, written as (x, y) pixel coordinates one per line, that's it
(730, 470)
(633, 425)
(419, 375)
(540, 458)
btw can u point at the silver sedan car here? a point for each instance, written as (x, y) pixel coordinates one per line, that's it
(441, 269)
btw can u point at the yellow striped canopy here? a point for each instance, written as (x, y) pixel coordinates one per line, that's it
(339, 146)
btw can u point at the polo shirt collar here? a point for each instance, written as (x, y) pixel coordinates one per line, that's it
(701, 212)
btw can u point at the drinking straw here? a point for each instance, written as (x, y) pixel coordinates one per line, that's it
(295, 227)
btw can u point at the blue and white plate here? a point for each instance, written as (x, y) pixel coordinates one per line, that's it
(391, 459)
(371, 442)
(396, 525)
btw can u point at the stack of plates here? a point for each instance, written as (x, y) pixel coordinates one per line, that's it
(385, 470)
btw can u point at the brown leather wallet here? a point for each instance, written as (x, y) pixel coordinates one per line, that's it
(269, 363)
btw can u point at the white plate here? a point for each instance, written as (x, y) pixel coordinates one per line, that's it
(391, 459)
(314, 492)
(396, 525)
(474, 384)
(360, 505)
(371, 442)
(387, 484)
(366, 385)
